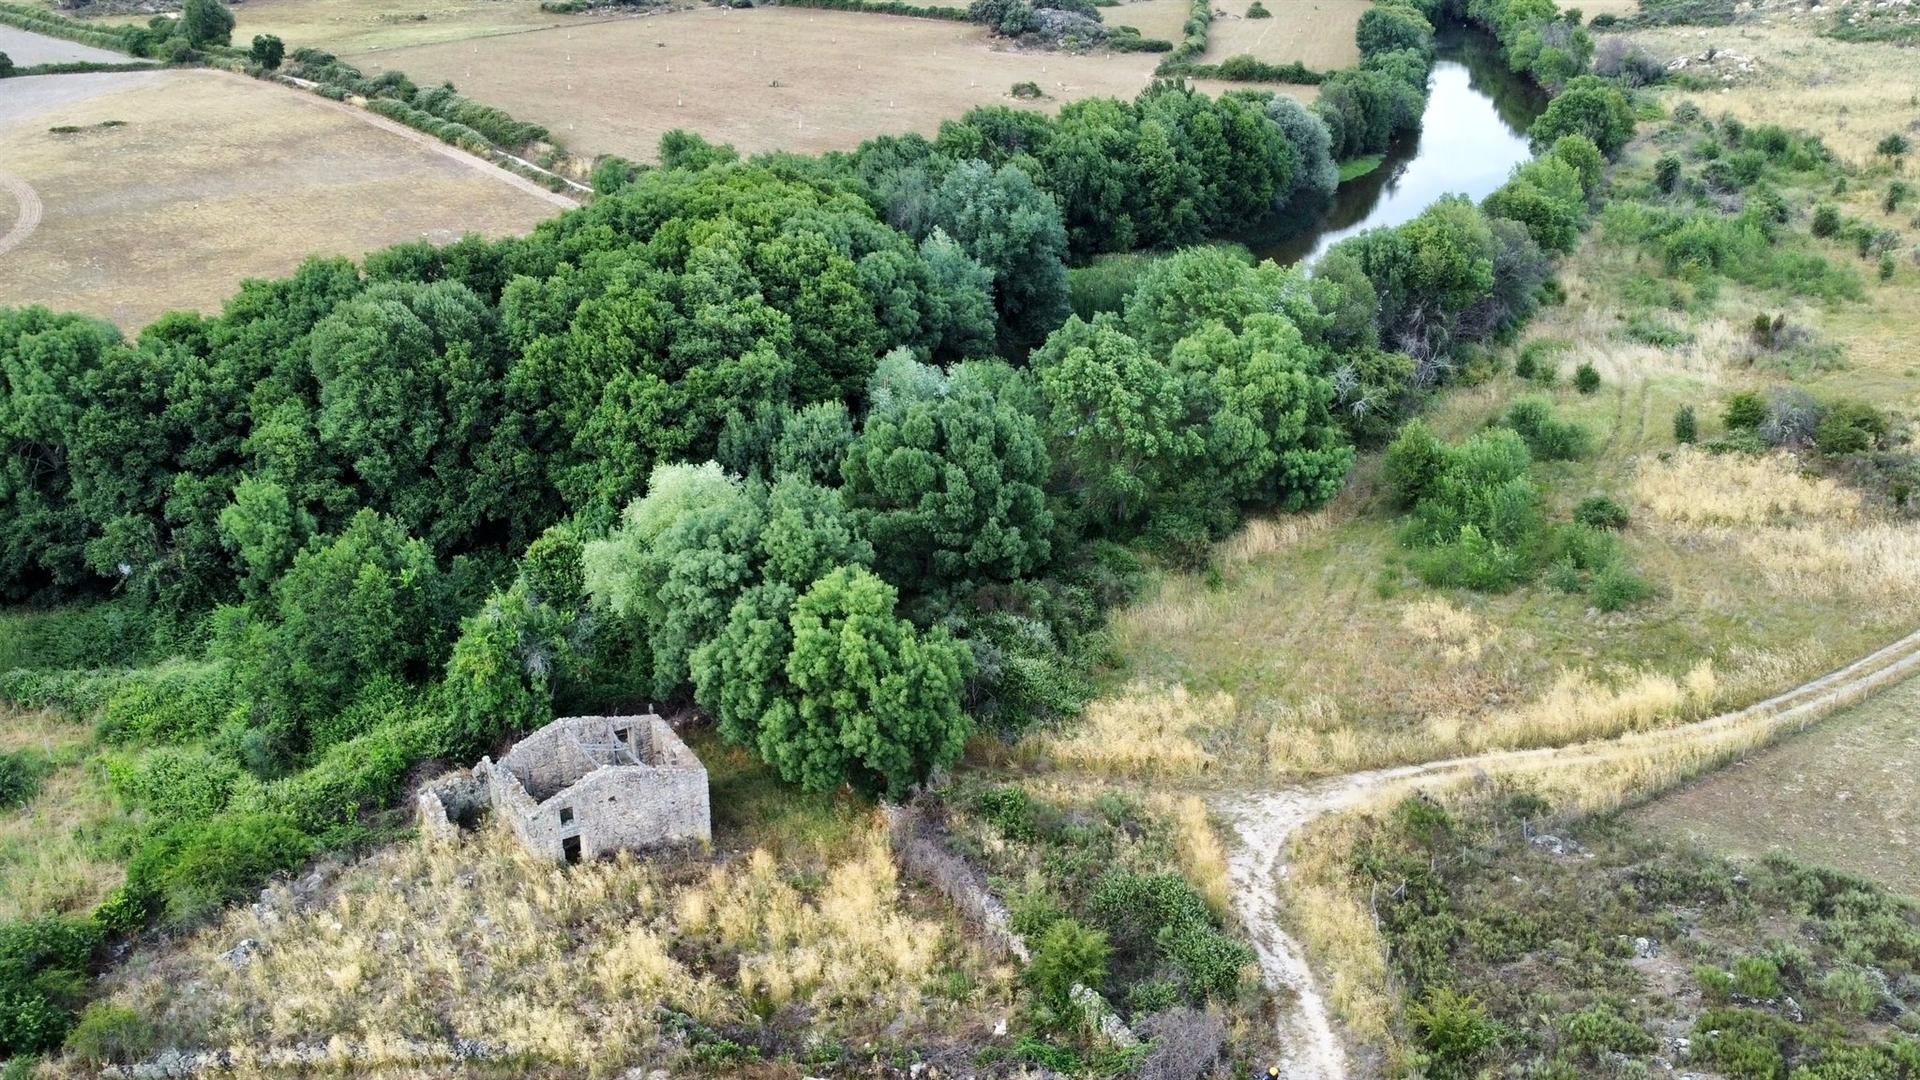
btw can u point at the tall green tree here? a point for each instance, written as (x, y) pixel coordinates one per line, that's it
(873, 701)
(949, 486)
(682, 554)
(206, 22)
(1012, 228)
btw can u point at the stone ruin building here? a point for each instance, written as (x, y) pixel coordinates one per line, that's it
(583, 787)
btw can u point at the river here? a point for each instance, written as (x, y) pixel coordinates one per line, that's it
(1472, 135)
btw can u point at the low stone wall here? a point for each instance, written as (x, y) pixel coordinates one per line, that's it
(920, 847)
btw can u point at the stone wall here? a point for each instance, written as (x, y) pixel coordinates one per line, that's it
(551, 788)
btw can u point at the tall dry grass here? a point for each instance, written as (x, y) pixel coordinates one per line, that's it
(1807, 536)
(1458, 635)
(567, 968)
(1145, 730)
(51, 849)
(1577, 706)
(1203, 858)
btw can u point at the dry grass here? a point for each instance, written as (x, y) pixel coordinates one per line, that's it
(1458, 635)
(1317, 33)
(1810, 536)
(353, 28)
(1851, 94)
(220, 178)
(1163, 19)
(1693, 489)
(1203, 858)
(1145, 730)
(1576, 706)
(764, 79)
(1334, 919)
(565, 969)
(50, 849)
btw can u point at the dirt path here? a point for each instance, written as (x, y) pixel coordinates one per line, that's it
(419, 138)
(1263, 823)
(28, 218)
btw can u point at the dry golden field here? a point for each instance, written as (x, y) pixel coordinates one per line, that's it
(353, 27)
(221, 178)
(764, 79)
(1853, 94)
(1317, 33)
(1163, 19)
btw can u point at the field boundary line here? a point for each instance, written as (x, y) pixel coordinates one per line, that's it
(1264, 822)
(418, 138)
(30, 211)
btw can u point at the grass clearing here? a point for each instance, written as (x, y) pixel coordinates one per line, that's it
(222, 178)
(1317, 33)
(56, 850)
(1840, 795)
(762, 79)
(1852, 94)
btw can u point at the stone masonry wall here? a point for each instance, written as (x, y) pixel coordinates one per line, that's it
(608, 807)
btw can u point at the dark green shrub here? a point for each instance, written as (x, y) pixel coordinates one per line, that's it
(1851, 991)
(1210, 960)
(1601, 512)
(1666, 172)
(1414, 462)
(1744, 411)
(1898, 192)
(1686, 427)
(1849, 427)
(1010, 811)
(43, 977)
(170, 703)
(1599, 1030)
(267, 51)
(1826, 219)
(1887, 267)
(1548, 437)
(1258, 10)
(1756, 977)
(1586, 379)
(1616, 587)
(20, 774)
(194, 869)
(1027, 91)
(1716, 985)
(1741, 1043)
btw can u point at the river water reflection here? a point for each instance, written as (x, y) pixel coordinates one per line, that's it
(1473, 134)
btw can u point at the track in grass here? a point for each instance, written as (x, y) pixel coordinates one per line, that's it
(1265, 822)
(27, 217)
